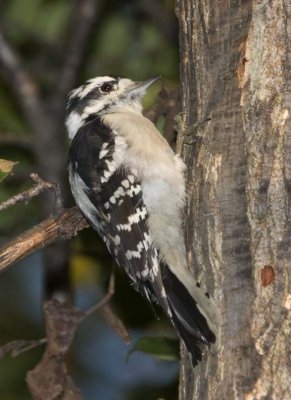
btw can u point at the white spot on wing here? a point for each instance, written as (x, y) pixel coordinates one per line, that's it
(125, 183)
(103, 153)
(118, 155)
(135, 253)
(111, 165)
(116, 240)
(140, 214)
(155, 268)
(119, 192)
(112, 200)
(133, 190)
(145, 272)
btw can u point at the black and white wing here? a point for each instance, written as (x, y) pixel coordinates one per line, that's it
(110, 197)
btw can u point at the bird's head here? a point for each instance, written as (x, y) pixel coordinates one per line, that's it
(102, 95)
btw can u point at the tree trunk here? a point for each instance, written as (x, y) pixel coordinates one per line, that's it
(235, 138)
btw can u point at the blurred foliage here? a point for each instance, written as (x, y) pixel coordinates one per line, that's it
(138, 53)
(126, 41)
(6, 168)
(162, 348)
(13, 372)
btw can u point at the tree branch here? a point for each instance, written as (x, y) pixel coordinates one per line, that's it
(22, 140)
(105, 299)
(65, 226)
(22, 84)
(81, 26)
(104, 309)
(27, 195)
(50, 377)
(17, 347)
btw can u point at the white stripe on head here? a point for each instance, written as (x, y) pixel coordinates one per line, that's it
(94, 83)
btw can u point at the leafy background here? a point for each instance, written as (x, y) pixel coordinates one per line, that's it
(128, 40)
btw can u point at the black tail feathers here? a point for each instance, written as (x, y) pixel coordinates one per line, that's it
(188, 319)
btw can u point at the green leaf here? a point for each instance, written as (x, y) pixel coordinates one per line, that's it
(162, 348)
(6, 168)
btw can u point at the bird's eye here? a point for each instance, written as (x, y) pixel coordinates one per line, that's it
(106, 87)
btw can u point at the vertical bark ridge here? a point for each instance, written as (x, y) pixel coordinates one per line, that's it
(265, 122)
(234, 70)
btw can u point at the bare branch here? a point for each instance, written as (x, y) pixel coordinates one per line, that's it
(21, 140)
(79, 31)
(105, 299)
(27, 195)
(50, 378)
(64, 226)
(22, 84)
(115, 323)
(104, 309)
(17, 347)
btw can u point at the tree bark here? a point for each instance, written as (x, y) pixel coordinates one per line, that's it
(235, 138)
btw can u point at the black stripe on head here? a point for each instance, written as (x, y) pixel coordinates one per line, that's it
(116, 77)
(72, 104)
(77, 103)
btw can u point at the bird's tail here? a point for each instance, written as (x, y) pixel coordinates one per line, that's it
(192, 312)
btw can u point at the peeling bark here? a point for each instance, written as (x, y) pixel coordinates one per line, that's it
(235, 71)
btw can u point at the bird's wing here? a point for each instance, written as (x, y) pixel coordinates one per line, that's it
(111, 199)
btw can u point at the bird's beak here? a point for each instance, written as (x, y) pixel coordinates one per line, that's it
(138, 89)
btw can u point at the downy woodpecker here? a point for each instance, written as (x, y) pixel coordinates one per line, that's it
(129, 185)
